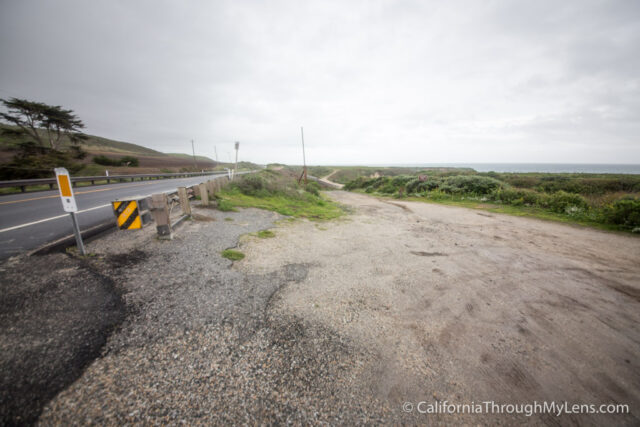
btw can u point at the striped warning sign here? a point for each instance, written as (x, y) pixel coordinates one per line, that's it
(127, 214)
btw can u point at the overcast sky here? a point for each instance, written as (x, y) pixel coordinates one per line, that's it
(372, 82)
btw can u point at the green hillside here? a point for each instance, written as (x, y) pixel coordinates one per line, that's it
(190, 157)
(99, 144)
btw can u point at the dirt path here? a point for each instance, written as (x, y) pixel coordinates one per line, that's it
(465, 306)
(327, 180)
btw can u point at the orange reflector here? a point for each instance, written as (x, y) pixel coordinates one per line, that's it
(65, 185)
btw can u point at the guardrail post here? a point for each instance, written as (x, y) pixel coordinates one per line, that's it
(211, 187)
(160, 212)
(184, 201)
(204, 195)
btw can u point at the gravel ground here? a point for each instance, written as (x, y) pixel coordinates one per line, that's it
(335, 322)
(188, 338)
(466, 306)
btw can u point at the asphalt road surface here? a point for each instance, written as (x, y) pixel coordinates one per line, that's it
(30, 220)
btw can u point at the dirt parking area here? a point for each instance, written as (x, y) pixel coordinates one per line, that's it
(465, 306)
(348, 322)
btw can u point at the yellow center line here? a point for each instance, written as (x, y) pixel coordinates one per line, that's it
(79, 192)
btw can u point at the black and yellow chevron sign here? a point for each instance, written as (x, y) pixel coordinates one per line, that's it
(127, 214)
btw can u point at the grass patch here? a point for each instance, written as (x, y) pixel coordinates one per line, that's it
(228, 219)
(265, 234)
(226, 206)
(279, 191)
(232, 255)
(307, 206)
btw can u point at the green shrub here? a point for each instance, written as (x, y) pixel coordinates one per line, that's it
(387, 188)
(563, 202)
(251, 185)
(122, 161)
(416, 186)
(313, 188)
(129, 161)
(106, 161)
(34, 161)
(401, 180)
(517, 197)
(624, 212)
(474, 184)
(355, 184)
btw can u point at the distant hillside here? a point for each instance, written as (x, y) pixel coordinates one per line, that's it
(150, 161)
(190, 156)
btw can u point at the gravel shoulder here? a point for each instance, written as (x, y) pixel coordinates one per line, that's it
(465, 306)
(191, 340)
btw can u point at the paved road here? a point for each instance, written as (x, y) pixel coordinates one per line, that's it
(30, 220)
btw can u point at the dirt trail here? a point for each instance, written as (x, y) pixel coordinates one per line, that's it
(327, 180)
(466, 306)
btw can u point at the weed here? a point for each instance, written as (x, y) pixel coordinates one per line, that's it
(265, 234)
(232, 254)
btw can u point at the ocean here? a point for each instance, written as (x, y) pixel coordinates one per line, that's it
(534, 167)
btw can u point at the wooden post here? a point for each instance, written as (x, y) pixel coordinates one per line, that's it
(184, 201)
(160, 211)
(204, 195)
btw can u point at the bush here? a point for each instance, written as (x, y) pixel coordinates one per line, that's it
(355, 184)
(416, 186)
(313, 188)
(129, 161)
(563, 202)
(34, 161)
(251, 185)
(387, 188)
(401, 180)
(518, 197)
(474, 184)
(122, 161)
(624, 212)
(106, 161)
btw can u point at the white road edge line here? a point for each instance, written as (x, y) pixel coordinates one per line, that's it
(15, 227)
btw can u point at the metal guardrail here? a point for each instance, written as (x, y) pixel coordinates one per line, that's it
(51, 182)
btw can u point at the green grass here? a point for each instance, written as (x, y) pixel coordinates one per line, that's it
(305, 206)
(226, 206)
(232, 255)
(228, 219)
(265, 234)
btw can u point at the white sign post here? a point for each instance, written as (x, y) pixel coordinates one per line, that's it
(69, 203)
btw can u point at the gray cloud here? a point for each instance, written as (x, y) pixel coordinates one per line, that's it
(371, 81)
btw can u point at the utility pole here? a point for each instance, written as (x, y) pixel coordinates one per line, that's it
(216, 151)
(237, 144)
(194, 155)
(304, 160)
